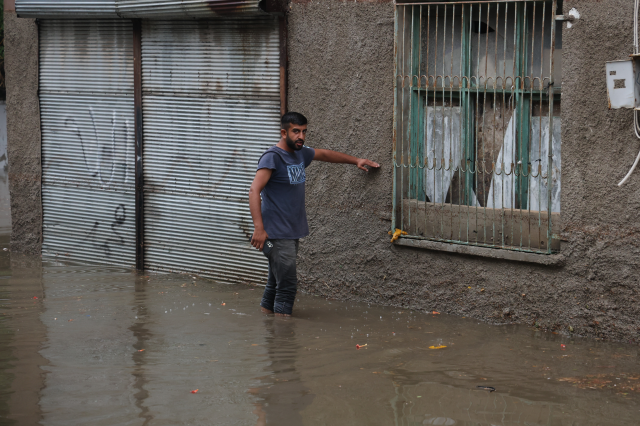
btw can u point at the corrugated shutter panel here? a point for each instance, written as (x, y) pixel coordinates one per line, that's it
(211, 103)
(185, 8)
(62, 9)
(87, 120)
(129, 9)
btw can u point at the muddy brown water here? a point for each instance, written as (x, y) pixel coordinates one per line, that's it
(98, 345)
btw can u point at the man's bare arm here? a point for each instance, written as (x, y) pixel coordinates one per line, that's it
(255, 206)
(339, 157)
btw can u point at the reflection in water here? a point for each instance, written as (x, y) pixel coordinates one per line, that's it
(420, 400)
(72, 340)
(142, 335)
(22, 335)
(6, 354)
(283, 395)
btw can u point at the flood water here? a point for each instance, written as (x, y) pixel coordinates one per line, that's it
(95, 345)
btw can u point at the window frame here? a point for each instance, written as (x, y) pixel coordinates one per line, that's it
(466, 93)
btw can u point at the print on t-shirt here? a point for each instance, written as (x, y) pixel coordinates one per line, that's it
(296, 173)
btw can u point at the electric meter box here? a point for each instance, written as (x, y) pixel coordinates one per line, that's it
(623, 83)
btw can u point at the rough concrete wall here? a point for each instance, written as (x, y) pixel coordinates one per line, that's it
(23, 132)
(341, 77)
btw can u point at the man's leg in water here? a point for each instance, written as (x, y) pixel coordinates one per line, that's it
(269, 295)
(280, 297)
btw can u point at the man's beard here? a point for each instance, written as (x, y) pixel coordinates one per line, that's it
(292, 144)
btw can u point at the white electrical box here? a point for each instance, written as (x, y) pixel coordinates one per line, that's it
(623, 83)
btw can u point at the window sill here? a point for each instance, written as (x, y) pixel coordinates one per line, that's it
(517, 256)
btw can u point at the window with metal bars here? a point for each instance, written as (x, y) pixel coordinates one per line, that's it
(477, 123)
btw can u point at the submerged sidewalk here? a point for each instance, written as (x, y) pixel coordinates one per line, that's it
(103, 346)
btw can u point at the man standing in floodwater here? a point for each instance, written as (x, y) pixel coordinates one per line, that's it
(279, 217)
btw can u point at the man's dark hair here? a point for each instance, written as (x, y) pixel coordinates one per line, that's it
(293, 118)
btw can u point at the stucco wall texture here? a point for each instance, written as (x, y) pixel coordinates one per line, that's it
(341, 78)
(23, 133)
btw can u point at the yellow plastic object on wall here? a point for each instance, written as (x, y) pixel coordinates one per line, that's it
(397, 234)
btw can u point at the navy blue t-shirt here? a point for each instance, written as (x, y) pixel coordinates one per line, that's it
(283, 212)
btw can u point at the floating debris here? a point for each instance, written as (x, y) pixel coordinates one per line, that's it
(619, 382)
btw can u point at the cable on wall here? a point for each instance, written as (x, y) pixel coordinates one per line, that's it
(636, 125)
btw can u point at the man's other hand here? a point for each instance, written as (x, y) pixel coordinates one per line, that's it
(362, 162)
(258, 238)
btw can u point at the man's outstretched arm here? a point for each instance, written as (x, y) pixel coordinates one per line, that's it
(255, 206)
(339, 157)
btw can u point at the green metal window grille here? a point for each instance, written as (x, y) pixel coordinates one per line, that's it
(476, 146)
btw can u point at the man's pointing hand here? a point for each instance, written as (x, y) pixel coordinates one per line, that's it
(362, 162)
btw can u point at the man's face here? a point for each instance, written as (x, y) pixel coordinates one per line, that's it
(295, 136)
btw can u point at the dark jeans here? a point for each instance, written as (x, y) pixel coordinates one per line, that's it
(282, 283)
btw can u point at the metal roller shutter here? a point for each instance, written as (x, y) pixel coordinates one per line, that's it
(172, 9)
(87, 120)
(130, 9)
(211, 105)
